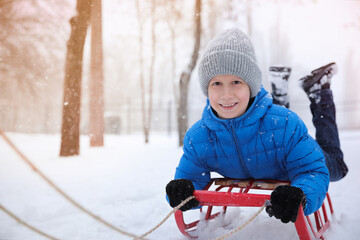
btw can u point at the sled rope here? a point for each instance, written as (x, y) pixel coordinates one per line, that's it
(26, 224)
(97, 218)
(62, 193)
(245, 224)
(167, 216)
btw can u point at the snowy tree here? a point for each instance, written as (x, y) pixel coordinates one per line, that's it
(182, 108)
(96, 95)
(31, 43)
(70, 130)
(147, 96)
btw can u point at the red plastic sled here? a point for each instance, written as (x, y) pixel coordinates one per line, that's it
(242, 198)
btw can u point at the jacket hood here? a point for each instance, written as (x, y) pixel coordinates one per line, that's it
(260, 106)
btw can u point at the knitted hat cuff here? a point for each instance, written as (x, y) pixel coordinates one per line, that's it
(230, 62)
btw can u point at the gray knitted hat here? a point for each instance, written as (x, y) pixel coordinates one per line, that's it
(230, 53)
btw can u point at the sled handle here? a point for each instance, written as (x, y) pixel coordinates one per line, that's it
(210, 198)
(250, 184)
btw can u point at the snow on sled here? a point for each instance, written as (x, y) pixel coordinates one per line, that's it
(252, 193)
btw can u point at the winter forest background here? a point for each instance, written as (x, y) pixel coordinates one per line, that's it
(303, 34)
(147, 47)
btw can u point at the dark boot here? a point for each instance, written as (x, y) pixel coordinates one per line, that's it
(319, 78)
(279, 77)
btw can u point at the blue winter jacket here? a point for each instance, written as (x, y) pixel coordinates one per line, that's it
(267, 142)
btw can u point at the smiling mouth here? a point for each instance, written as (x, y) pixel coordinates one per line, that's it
(228, 105)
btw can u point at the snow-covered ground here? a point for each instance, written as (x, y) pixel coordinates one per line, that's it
(124, 183)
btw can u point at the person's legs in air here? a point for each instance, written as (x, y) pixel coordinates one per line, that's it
(317, 87)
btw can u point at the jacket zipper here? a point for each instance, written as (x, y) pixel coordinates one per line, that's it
(245, 169)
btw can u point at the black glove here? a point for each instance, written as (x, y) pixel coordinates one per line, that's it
(179, 190)
(285, 203)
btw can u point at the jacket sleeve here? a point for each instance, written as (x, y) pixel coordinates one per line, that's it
(191, 166)
(305, 163)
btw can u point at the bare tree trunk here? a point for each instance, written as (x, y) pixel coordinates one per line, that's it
(351, 103)
(249, 17)
(173, 65)
(212, 19)
(171, 14)
(147, 110)
(128, 125)
(96, 96)
(141, 60)
(70, 129)
(152, 64)
(186, 75)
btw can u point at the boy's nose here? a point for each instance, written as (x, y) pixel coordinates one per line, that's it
(228, 92)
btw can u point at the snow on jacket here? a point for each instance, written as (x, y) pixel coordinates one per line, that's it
(267, 142)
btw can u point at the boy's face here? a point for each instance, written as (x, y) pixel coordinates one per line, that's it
(229, 96)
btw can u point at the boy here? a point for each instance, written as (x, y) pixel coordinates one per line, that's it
(243, 135)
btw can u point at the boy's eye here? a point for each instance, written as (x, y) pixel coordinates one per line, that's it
(216, 83)
(237, 82)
